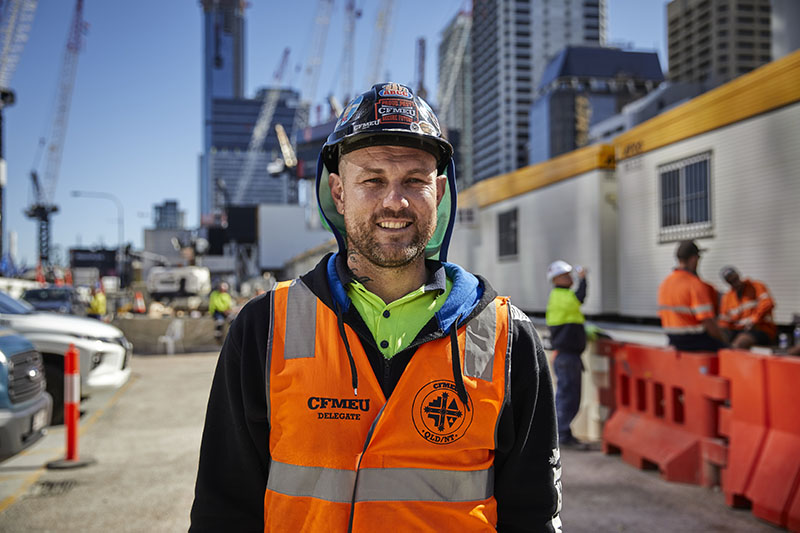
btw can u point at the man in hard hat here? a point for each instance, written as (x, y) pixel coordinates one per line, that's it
(219, 307)
(568, 340)
(97, 304)
(686, 305)
(746, 311)
(385, 388)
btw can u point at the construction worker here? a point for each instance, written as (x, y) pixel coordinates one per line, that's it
(746, 311)
(568, 340)
(219, 307)
(97, 304)
(385, 388)
(686, 305)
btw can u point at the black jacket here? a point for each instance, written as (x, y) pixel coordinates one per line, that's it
(234, 456)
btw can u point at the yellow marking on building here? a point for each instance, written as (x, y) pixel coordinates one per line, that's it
(526, 179)
(770, 87)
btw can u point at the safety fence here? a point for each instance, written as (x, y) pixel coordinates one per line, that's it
(728, 419)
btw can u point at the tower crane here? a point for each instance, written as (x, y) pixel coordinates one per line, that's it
(16, 18)
(43, 190)
(455, 58)
(351, 14)
(383, 29)
(308, 88)
(422, 92)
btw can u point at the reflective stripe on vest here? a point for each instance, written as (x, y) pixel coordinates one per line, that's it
(339, 459)
(381, 484)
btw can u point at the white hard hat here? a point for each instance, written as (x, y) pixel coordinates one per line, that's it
(557, 268)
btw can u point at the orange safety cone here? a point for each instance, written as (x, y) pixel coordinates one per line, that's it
(68, 277)
(40, 273)
(72, 404)
(138, 303)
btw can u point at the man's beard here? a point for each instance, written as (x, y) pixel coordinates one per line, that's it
(361, 238)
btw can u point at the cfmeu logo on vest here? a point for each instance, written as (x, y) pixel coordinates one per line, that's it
(322, 405)
(439, 415)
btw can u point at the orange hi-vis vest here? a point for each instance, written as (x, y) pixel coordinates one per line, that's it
(754, 308)
(346, 460)
(684, 301)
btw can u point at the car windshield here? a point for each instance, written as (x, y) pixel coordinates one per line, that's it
(11, 306)
(46, 295)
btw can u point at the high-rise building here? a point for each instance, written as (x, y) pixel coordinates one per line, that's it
(231, 174)
(454, 99)
(167, 215)
(785, 21)
(714, 41)
(223, 55)
(582, 86)
(512, 42)
(236, 175)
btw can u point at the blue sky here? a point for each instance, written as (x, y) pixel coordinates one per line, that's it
(135, 122)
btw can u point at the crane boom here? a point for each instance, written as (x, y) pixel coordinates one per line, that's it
(383, 28)
(351, 14)
(261, 128)
(69, 68)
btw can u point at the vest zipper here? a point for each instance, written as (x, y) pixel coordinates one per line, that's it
(358, 466)
(387, 372)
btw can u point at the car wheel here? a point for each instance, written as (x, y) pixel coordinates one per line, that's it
(55, 386)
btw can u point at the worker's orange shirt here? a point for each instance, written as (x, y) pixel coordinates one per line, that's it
(684, 301)
(753, 309)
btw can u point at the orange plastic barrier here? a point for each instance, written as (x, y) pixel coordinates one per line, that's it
(667, 412)
(744, 421)
(775, 487)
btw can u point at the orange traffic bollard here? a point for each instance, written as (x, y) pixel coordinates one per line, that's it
(72, 405)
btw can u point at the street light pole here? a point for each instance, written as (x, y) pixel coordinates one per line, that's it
(120, 223)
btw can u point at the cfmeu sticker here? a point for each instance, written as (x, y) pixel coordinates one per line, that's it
(439, 414)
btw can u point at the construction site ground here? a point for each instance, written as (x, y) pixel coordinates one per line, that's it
(145, 440)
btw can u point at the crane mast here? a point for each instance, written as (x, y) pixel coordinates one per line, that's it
(44, 190)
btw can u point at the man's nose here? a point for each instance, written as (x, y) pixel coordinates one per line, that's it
(395, 199)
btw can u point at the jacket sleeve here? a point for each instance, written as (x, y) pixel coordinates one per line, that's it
(580, 292)
(765, 302)
(527, 460)
(234, 457)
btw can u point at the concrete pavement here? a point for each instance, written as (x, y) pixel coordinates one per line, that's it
(145, 438)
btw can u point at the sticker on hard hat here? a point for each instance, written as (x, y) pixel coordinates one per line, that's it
(349, 111)
(395, 90)
(395, 110)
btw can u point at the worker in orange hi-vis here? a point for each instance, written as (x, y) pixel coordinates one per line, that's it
(746, 311)
(687, 307)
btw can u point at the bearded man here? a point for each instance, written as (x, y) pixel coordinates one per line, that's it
(386, 387)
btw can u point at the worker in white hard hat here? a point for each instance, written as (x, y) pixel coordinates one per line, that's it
(568, 340)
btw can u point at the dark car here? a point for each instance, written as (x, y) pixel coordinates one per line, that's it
(57, 299)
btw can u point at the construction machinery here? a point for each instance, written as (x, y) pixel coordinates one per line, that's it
(43, 190)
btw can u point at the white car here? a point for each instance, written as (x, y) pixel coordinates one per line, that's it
(105, 353)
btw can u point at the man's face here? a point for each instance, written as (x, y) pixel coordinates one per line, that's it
(388, 196)
(563, 280)
(734, 281)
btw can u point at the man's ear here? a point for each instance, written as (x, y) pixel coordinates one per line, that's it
(441, 186)
(337, 191)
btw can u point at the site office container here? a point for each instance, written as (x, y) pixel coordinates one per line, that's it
(742, 139)
(511, 227)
